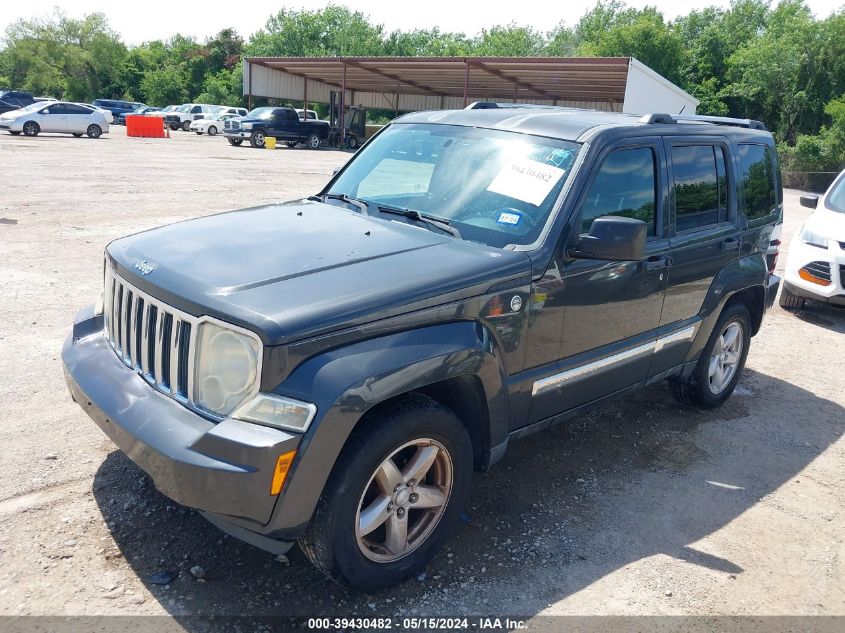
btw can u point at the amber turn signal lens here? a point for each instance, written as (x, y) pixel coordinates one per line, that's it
(283, 465)
(806, 275)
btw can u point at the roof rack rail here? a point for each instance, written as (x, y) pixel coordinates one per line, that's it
(658, 117)
(493, 105)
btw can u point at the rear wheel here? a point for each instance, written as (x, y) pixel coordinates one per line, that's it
(94, 131)
(31, 128)
(394, 496)
(257, 139)
(313, 142)
(789, 301)
(173, 127)
(352, 142)
(235, 141)
(186, 126)
(212, 131)
(718, 369)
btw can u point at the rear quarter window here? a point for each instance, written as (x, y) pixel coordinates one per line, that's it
(756, 181)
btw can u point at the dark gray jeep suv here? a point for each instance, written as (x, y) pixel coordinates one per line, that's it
(331, 370)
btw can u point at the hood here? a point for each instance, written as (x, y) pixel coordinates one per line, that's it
(290, 271)
(827, 223)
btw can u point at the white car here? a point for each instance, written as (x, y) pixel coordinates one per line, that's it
(815, 266)
(212, 125)
(63, 117)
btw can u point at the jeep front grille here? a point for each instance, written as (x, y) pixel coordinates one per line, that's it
(151, 337)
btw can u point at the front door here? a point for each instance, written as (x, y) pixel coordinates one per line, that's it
(611, 308)
(54, 118)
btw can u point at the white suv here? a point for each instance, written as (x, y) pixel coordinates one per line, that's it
(185, 114)
(815, 267)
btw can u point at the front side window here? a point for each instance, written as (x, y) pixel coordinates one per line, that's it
(57, 108)
(700, 186)
(495, 187)
(624, 185)
(756, 180)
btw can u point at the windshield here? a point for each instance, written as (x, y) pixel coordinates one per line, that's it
(835, 200)
(495, 187)
(35, 106)
(184, 108)
(261, 113)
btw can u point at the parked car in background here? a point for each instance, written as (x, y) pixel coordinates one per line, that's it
(213, 124)
(162, 112)
(15, 99)
(815, 265)
(185, 114)
(143, 110)
(310, 116)
(57, 117)
(233, 110)
(283, 124)
(117, 108)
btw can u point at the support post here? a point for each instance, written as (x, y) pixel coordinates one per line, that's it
(249, 96)
(342, 113)
(305, 99)
(466, 82)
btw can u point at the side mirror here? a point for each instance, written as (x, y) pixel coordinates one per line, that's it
(613, 238)
(811, 201)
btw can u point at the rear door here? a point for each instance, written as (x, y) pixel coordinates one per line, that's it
(78, 118)
(703, 235)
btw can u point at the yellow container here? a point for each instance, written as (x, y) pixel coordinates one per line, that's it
(270, 142)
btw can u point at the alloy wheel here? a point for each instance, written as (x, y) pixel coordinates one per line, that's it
(724, 361)
(404, 500)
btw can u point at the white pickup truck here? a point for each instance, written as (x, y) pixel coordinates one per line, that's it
(187, 113)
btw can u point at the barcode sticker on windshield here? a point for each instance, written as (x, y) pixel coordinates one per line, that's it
(526, 180)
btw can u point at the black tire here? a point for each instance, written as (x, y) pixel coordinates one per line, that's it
(31, 128)
(313, 142)
(696, 390)
(14, 133)
(94, 131)
(173, 128)
(78, 134)
(212, 130)
(330, 541)
(199, 133)
(291, 144)
(235, 141)
(352, 142)
(257, 138)
(186, 126)
(789, 301)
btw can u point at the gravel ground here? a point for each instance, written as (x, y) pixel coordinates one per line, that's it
(645, 507)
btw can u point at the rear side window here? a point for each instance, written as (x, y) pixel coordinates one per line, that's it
(76, 109)
(701, 195)
(756, 180)
(624, 185)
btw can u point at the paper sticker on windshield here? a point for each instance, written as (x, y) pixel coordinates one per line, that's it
(508, 217)
(526, 180)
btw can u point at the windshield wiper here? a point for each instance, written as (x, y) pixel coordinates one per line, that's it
(355, 202)
(429, 220)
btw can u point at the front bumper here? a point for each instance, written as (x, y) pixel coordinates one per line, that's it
(12, 126)
(832, 259)
(243, 134)
(223, 469)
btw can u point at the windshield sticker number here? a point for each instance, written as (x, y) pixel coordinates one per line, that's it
(526, 180)
(507, 217)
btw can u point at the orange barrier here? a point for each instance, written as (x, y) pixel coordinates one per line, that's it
(147, 126)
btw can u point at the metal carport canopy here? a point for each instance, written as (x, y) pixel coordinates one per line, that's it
(581, 81)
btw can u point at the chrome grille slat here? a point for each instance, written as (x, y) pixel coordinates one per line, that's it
(136, 326)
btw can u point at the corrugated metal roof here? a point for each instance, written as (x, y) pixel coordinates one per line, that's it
(549, 79)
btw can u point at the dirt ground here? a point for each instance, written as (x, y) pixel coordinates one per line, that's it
(646, 507)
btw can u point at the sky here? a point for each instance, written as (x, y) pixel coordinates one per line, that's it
(138, 21)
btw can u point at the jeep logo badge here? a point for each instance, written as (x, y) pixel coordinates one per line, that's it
(516, 303)
(146, 268)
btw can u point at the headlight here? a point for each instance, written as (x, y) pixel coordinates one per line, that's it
(813, 239)
(247, 126)
(278, 411)
(226, 368)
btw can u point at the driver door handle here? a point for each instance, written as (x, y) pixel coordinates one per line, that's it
(657, 262)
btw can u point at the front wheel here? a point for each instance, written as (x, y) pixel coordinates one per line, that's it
(78, 134)
(186, 126)
(31, 128)
(394, 496)
(198, 133)
(257, 139)
(313, 142)
(94, 131)
(235, 141)
(291, 144)
(14, 133)
(212, 131)
(352, 142)
(717, 372)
